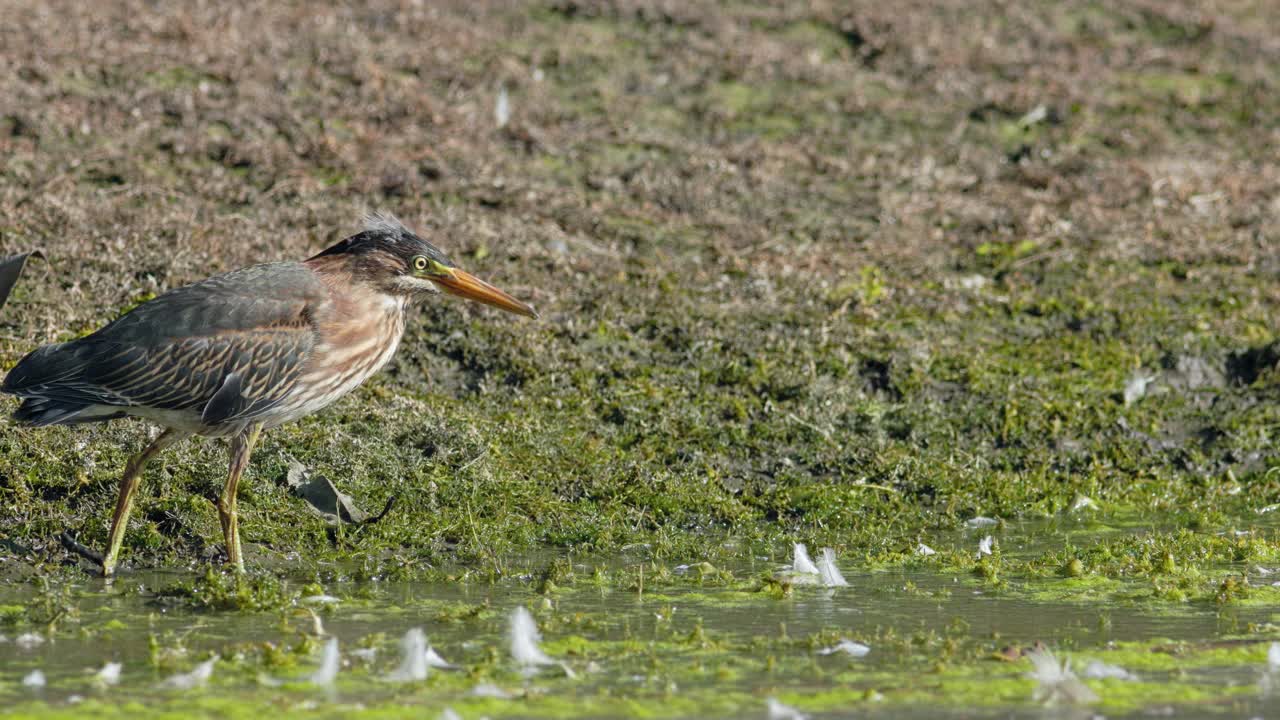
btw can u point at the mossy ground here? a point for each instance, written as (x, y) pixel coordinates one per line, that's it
(851, 275)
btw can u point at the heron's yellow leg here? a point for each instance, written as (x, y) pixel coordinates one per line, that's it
(241, 449)
(128, 487)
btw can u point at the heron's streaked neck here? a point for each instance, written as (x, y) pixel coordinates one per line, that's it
(371, 294)
(348, 287)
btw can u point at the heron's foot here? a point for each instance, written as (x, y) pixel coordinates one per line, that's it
(235, 558)
(231, 533)
(69, 542)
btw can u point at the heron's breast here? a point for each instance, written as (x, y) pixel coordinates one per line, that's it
(352, 347)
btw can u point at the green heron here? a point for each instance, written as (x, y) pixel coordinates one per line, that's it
(243, 352)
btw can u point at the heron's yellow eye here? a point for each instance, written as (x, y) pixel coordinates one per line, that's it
(419, 263)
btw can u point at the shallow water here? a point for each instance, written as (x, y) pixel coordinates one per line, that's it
(684, 648)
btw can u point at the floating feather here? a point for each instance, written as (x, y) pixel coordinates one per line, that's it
(109, 674)
(433, 659)
(831, 576)
(489, 690)
(413, 658)
(778, 711)
(198, 676)
(330, 661)
(1098, 670)
(1083, 502)
(27, 641)
(800, 561)
(984, 546)
(849, 647)
(525, 639)
(1055, 682)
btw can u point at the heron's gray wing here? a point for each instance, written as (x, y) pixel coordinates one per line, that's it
(228, 347)
(233, 374)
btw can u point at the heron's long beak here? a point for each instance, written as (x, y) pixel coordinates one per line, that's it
(464, 284)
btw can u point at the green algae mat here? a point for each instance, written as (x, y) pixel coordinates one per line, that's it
(885, 278)
(569, 637)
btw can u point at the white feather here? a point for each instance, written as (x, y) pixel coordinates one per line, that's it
(1271, 674)
(1055, 682)
(198, 676)
(1083, 502)
(433, 659)
(849, 647)
(413, 658)
(26, 641)
(1098, 670)
(778, 711)
(109, 674)
(831, 576)
(502, 108)
(525, 638)
(1136, 387)
(489, 690)
(330, 661)
(800, 561)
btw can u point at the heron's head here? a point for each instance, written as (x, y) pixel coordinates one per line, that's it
(395, 260)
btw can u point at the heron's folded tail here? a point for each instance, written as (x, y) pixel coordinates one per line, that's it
(39, 412)
(49, 381)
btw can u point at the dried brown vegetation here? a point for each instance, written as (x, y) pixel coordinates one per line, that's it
(781, 249)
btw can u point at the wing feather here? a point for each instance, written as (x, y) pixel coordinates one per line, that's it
(230, 347)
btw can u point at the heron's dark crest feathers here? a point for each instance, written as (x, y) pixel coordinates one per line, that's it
(385, 247)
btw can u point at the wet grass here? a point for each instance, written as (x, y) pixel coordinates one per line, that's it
(848, 276)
